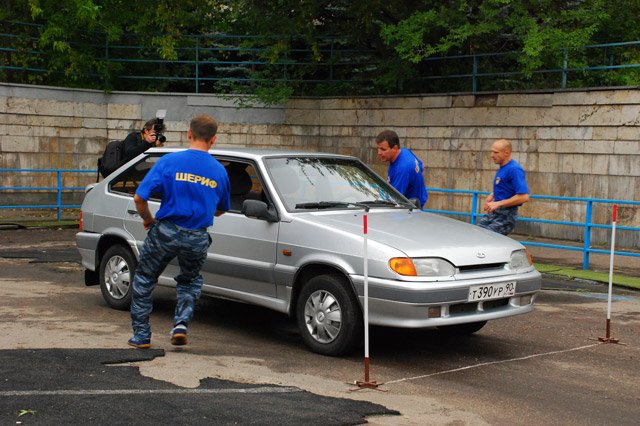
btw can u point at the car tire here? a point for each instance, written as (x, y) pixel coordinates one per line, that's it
(462, 329)
(117, 268)
(328, 315)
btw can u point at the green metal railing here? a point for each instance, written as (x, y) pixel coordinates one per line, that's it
(211, 63)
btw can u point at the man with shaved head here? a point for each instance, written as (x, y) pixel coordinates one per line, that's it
(510, 191)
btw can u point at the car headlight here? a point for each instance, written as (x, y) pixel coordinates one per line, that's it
(422, 267)
(520, 259)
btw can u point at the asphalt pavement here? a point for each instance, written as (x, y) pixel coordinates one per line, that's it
(49, 385)
(95, 386)
(99, 386)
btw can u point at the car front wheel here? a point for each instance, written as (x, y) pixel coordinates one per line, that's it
(329, 316)
(117, 269)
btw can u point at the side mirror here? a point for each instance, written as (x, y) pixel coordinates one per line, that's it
(259, 210)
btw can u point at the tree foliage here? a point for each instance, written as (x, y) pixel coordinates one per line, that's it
(271, 49)
(537, 34)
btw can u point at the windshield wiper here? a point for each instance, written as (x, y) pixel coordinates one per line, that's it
(378, 203)
(387, 203)
(322, 205)
(370, 203)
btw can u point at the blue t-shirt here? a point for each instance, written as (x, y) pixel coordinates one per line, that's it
(509, 181)
(405, 175)
(193, 186)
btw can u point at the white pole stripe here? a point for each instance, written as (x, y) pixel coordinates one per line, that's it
(489, 363)
(68, 392)
(613, 246)
(365, 256)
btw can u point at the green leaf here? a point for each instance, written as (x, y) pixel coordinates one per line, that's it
(25, 412)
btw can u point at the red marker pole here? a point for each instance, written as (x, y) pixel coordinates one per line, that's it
(366, 298)
(366, 383)
(608, 338)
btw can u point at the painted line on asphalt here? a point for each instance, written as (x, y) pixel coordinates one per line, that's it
(484, 364)
(67, 392)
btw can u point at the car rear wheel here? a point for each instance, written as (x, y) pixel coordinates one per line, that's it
(117, 269)
(462, 329)
(329, 316)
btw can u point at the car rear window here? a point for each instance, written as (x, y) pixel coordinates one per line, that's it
(244, 179)
(128, 181)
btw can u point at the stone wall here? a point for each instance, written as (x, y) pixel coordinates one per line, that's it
(571, 143)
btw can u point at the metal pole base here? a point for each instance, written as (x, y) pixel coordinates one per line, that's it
(608, 340)
(367, 385)
(607, 333)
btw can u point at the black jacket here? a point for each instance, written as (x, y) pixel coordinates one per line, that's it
(134, 145)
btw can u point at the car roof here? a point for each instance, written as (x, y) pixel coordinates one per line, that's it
(256, 153)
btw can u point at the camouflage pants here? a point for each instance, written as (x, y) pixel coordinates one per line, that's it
(164, 242)
(501, 220)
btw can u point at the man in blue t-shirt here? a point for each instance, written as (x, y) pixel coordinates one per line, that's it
(405, 169)
(193, 187)
(510, 191)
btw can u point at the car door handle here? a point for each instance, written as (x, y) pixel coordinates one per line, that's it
(133, 212)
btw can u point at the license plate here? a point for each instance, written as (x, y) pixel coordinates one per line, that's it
(491, 291)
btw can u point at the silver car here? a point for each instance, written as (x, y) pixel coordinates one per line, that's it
(294, 241)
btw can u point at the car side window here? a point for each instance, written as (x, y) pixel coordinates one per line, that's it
(128, 181)
(245, 183)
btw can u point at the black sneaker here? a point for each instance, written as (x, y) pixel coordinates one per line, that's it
(179, 335)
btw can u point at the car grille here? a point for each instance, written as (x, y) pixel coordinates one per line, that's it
(488, 305)
(481, 267)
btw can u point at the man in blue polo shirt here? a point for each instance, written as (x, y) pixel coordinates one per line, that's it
(194, 187)
(510, 191)
(405, 169)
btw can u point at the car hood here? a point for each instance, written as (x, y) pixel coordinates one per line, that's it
(421, 234)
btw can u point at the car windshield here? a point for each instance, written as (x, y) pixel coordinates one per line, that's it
(310, 183)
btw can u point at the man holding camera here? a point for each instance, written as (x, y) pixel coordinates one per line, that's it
(138, 142)
(179, 228)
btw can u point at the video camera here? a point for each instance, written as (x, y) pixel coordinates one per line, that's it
(160, 114)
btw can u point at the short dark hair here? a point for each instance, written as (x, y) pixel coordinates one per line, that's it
(390, 136)
(149, 125)
(203, 127)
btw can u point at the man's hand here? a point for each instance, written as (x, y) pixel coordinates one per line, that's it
(487, 203)
(516, 200)
(491, 206)
(147, 224)
(142, 206)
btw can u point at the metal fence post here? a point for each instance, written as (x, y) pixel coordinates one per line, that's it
(284, 67)
(474, 77)
(587, 235)
(59, 206)
(331, 61)
(197, 64)
(565, 61)
(474, 208)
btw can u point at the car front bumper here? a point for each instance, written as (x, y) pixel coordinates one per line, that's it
(431, 304)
